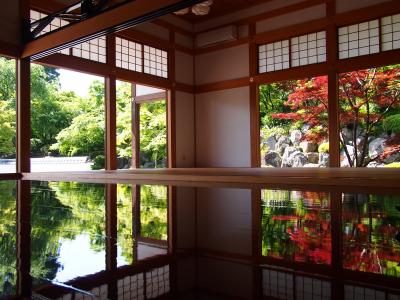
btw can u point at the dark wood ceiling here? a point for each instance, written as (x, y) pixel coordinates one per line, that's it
(219, 7)
(222, 7)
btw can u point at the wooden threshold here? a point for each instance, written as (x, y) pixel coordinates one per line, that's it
(372, 180)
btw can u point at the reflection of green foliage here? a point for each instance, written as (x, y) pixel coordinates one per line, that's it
(153, 134)
(153, 212)
(124, 213)
(8, 238)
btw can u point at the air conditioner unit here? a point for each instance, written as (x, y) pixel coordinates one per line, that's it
(217, 36)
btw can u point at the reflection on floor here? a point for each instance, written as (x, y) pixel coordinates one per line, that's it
(68, 240)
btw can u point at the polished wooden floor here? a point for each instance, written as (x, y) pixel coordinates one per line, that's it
(379, 178)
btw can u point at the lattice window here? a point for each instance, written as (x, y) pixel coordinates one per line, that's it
(359, 39)
(312, 288)
(278, 285)
(93, 50)
(128, 55)
(155, 61)
(352, 292)
(308, 49)
(55, 24)
(274, 56)
(131, 287)
(157, 282)
(390, 32)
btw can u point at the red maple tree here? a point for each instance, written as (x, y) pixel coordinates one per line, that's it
(365, 98)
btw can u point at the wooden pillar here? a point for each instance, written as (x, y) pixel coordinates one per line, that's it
(333, 114)
(135, 108)
(24, 281)
(337, 245)
(111, 241)
(111, 109)
(171, 106)
(23, 115)
(256, 242)
(254, 101)
(135, 219)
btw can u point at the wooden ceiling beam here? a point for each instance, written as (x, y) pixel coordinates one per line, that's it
(116, 19)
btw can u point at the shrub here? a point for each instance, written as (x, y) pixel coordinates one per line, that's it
(98, 162)
(323, 148)
(393, 165)
(392, 123)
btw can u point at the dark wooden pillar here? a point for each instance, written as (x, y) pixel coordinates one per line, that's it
(135, 130)
(111, 242)
(256, 242)
(254, 101)
(333, 114)
(171, 107)
(111, 109)
(23, 115)
(24, 281)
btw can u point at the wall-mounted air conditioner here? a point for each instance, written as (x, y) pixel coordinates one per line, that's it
(217, 36)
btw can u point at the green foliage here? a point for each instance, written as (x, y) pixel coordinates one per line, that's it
(392, 123)
(124, 121)
(323, 148)
(393, 165)
(153, 134)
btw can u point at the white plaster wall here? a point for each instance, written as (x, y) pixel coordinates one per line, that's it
(184, 67)
(223, 128)
(224, 220)
(297, 17)
(9, 22)
(230, 63)
(349, 5)
(185, 132)
(226, 277)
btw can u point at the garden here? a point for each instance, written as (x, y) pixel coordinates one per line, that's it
(294, 120)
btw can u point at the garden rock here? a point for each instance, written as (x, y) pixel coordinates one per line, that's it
(282, 144)
(344, 162)
(273, 158)
(311, 166)
(308, 146)
(376, 147)
(271, 142)
(312, 157)
(392, 158)
(323, 160)
(295, 136)
(287, 153)
(297, 159)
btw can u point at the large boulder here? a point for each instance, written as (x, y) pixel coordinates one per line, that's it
(271, 142)
(295, 137)
(311, 166)
(395, 157)
(323, 159)
(308, 146)
(297, 159)
(344, 161)
(281, 144)
(376, 147)
(312, 157)
(293, 157)
(285, 158)
(272, 158)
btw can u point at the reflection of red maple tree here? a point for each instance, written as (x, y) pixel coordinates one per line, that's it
(313, 238)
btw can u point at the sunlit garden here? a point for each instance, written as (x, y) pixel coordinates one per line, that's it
(294, 120)
(71, 127)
